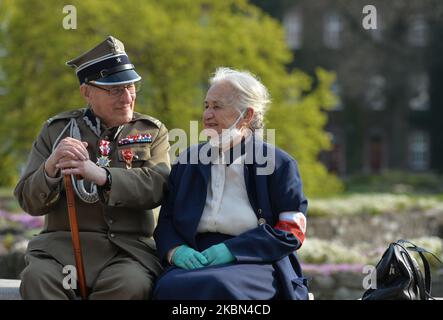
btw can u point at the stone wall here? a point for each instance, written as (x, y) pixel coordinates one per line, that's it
(349, 285)
(379, 230)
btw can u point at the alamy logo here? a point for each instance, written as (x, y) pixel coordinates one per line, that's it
(70, 281)
(370, 20)
(370, 281)
(70, 21)
(180, 142)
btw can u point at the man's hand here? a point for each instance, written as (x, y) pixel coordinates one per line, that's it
(218, 254)
(68, 148)
(188, 258)
(85, 168)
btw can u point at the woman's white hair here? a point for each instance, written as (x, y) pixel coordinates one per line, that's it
(250, 92)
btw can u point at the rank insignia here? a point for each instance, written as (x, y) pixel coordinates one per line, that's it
(138, 138)
(128, 156)
(104, 149)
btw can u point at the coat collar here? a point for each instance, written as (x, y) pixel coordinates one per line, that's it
(248, 149)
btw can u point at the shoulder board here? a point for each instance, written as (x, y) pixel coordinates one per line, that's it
(140, 116)
(65, 115)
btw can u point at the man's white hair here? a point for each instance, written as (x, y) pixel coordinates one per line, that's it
(251, 93)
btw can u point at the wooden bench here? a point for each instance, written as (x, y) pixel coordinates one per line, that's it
(9, 289)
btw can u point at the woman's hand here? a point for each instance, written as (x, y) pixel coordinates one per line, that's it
(188, 258)
(218, 254)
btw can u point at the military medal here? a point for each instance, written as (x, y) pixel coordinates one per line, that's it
(104, 148)
(138, 138)
(128, 156)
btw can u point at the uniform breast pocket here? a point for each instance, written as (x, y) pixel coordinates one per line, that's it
(134, 156)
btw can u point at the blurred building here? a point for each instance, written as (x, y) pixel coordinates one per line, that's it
(389, 79)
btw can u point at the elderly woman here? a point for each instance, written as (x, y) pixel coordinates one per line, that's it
(227, 230)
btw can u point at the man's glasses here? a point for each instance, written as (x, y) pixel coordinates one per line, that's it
(133, 88)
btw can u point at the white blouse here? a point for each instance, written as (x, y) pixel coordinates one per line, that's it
(227, 209)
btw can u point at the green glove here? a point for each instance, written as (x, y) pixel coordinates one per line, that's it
(218, 254)
(187, 258)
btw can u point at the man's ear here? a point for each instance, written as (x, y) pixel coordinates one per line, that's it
(85, 92)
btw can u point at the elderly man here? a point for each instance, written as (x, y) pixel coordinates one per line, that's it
(228, 229)
(119, 164)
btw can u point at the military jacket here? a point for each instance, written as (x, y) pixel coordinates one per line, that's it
(122, 218)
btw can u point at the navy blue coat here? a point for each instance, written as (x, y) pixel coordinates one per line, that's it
(269, 196)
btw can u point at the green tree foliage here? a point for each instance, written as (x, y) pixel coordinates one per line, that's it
(175, 45)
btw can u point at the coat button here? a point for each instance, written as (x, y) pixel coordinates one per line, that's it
(42, 195)
(112, 235)
(261, 221)
(111, 221)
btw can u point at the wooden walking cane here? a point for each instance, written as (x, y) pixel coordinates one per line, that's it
(75, 237)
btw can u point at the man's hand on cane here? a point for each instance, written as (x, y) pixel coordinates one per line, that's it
(68, 148)
(84, 168)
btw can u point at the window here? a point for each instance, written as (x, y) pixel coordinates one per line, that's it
(418, 31)
(335, 158)
(376, 153)
(294, 28)
(332, 31)
(375, 93)
(419, 151)
(419, 92)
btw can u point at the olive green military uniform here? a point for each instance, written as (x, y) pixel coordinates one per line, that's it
(118, 251)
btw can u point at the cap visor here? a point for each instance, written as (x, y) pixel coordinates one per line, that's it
(122, 77)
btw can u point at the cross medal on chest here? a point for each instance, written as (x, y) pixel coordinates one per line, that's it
(104, 148)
